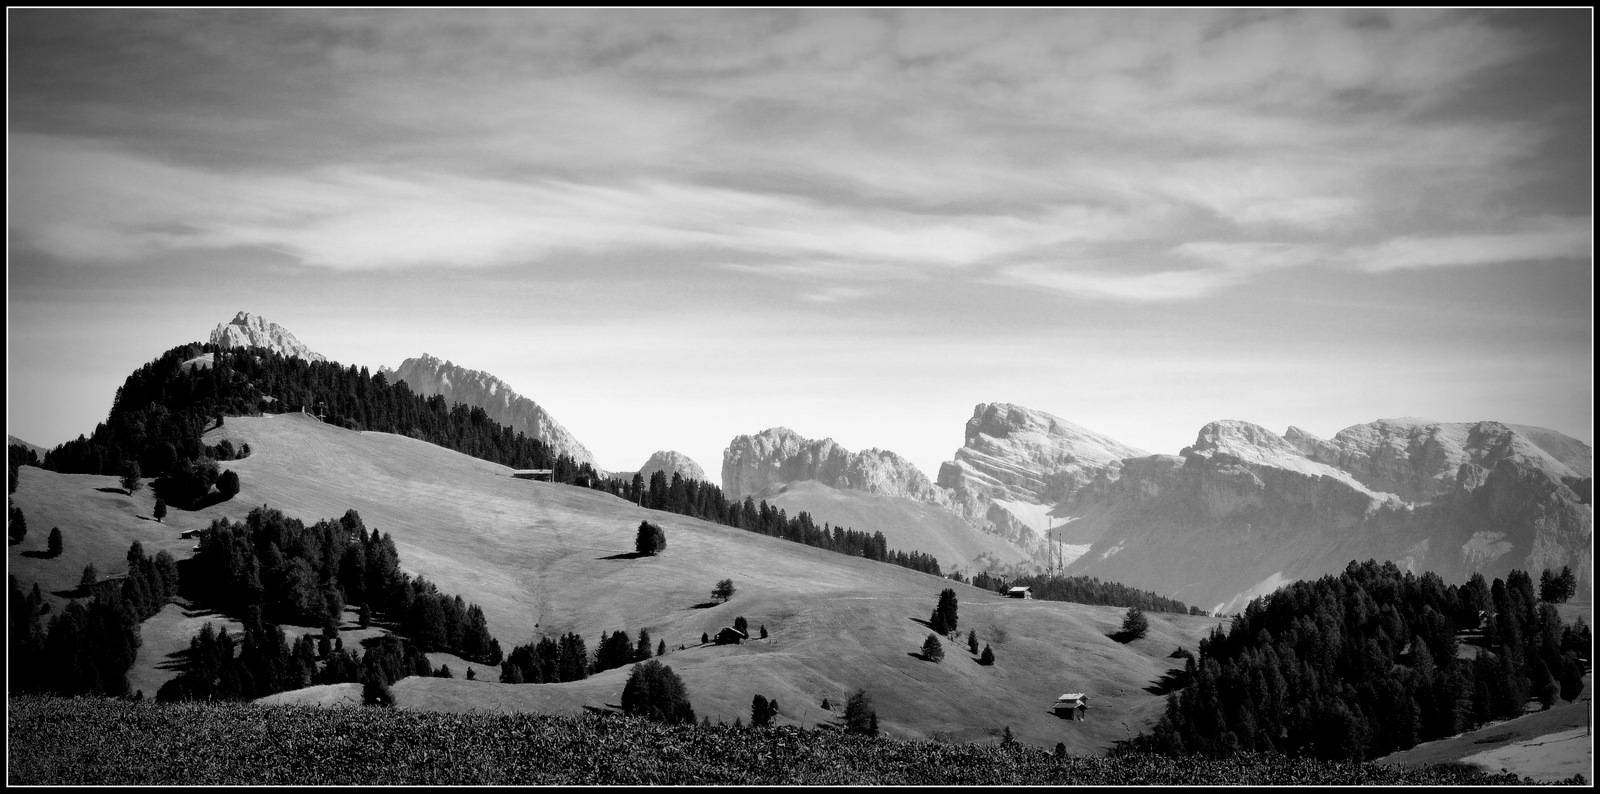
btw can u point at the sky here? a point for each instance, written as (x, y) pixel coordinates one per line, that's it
(670, 228)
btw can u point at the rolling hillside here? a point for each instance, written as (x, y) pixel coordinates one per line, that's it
(545, 558)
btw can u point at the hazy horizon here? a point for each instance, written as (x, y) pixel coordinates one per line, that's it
(669, 228)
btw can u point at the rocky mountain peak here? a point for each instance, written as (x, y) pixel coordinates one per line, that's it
(672, 462)
(249, 330)
(428, 375)
(763, 463)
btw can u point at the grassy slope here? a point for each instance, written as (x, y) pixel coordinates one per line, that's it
(907, 524)
(534, 555)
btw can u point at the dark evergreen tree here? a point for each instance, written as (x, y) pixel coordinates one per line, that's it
(944, 613)
(89, 578)
(375, 692)
(723, 591)
(859, 716)
(642, 650)
(129, 472)
(1134, 623)
(972, 641)
(742, 625)
(763, 631)
(54, 542)
(161, 509)
(655, 692)
(227, 485)
(650, 540)
(988, 656)
(932, 650)
(760, 717)
(16, 524)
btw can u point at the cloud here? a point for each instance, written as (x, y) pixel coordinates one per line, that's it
(1567, 238)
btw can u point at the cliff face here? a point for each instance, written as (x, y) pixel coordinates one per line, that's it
(428, 376)
(672, 462)
(761, 464)
(1017, 464)
(248, 330)
(1242, 512)
(1421, 460)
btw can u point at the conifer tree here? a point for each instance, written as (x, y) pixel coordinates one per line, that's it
(988, 656)
(130, 476)
(932, 649)
(16, 524)
(1134, 624)
(859, 716)
(161, 509)
(759, 716)
(90, 577)
(972, 641)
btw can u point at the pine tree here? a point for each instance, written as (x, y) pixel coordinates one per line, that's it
(642, 652)
(655, 692)
(742, 625)
(661, 648)
(759, 716)
(650, 540)
(1134, 624)
(932, 650)
(944, 614)
(763, 631)
(972, 641)
(471, 675)
(859, 716)
(90, 577)
(988, 656)
(161, 509)
(130, 476)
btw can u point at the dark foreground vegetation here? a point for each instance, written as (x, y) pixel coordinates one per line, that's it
(89, 741)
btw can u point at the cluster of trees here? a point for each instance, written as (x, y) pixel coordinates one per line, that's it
(943, 619)
(1085, 590)
(859, 715)
(162, 409)
(548, 661)
(306, 576)
(17, 456)
(762, 711)
(1366, 663)
(616, 650)
(87, 648)
(987, 657)
(1557, 588)
(706, 501)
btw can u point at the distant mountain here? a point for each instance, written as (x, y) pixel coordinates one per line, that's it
(1017, 464)
(1245, 510)
(761, 464)
(428, 375)
(249, 330)
(14, 441)
(672, 462)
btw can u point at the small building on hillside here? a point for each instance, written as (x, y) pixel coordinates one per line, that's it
(731, 636)
(1020, 592)
(543, 475)
(190, 533)
(1072, 706)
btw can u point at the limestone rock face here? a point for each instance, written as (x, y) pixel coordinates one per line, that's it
(761, 464)
(249, 330)
(1243, 510)
(672, 462)
(1420, 460)
(428, 376)
(1017, 464)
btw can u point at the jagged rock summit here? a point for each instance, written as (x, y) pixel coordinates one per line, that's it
(759, 465)
(672, 462)
(428, 375)
(249, 330)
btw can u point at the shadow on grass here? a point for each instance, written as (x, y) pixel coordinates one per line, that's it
(1168, 683)
(632, 555)
(113, 490)
(177, 660)
(38, 555)
(929, 624)
(705, 605)
(923, 657)
(1123, 637)
(202, 612)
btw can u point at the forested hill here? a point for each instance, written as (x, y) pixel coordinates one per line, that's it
(160, 411)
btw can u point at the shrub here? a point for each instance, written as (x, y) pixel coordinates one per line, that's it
(655, 692)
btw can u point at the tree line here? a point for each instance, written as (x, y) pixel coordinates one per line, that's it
(1083, 590)
(705, 501)
(1369, 662)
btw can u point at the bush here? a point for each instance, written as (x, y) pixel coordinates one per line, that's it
(651, 539)
(655, 692)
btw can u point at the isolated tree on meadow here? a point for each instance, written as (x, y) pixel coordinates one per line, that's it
(932, 649)
(161, 509)
(704, 638)
(16, 525)
(130, 476)
(655, 692)
(859, 716)
(1134, 624)
(89, 578)
(661, 648)
(54, 543)
(988, 656)
(723, 591)
(471, 676)
(763, 631)
(651, 540)
(944, 614)
(972, 641)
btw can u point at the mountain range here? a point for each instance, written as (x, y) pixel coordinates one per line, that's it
(1234, 515)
